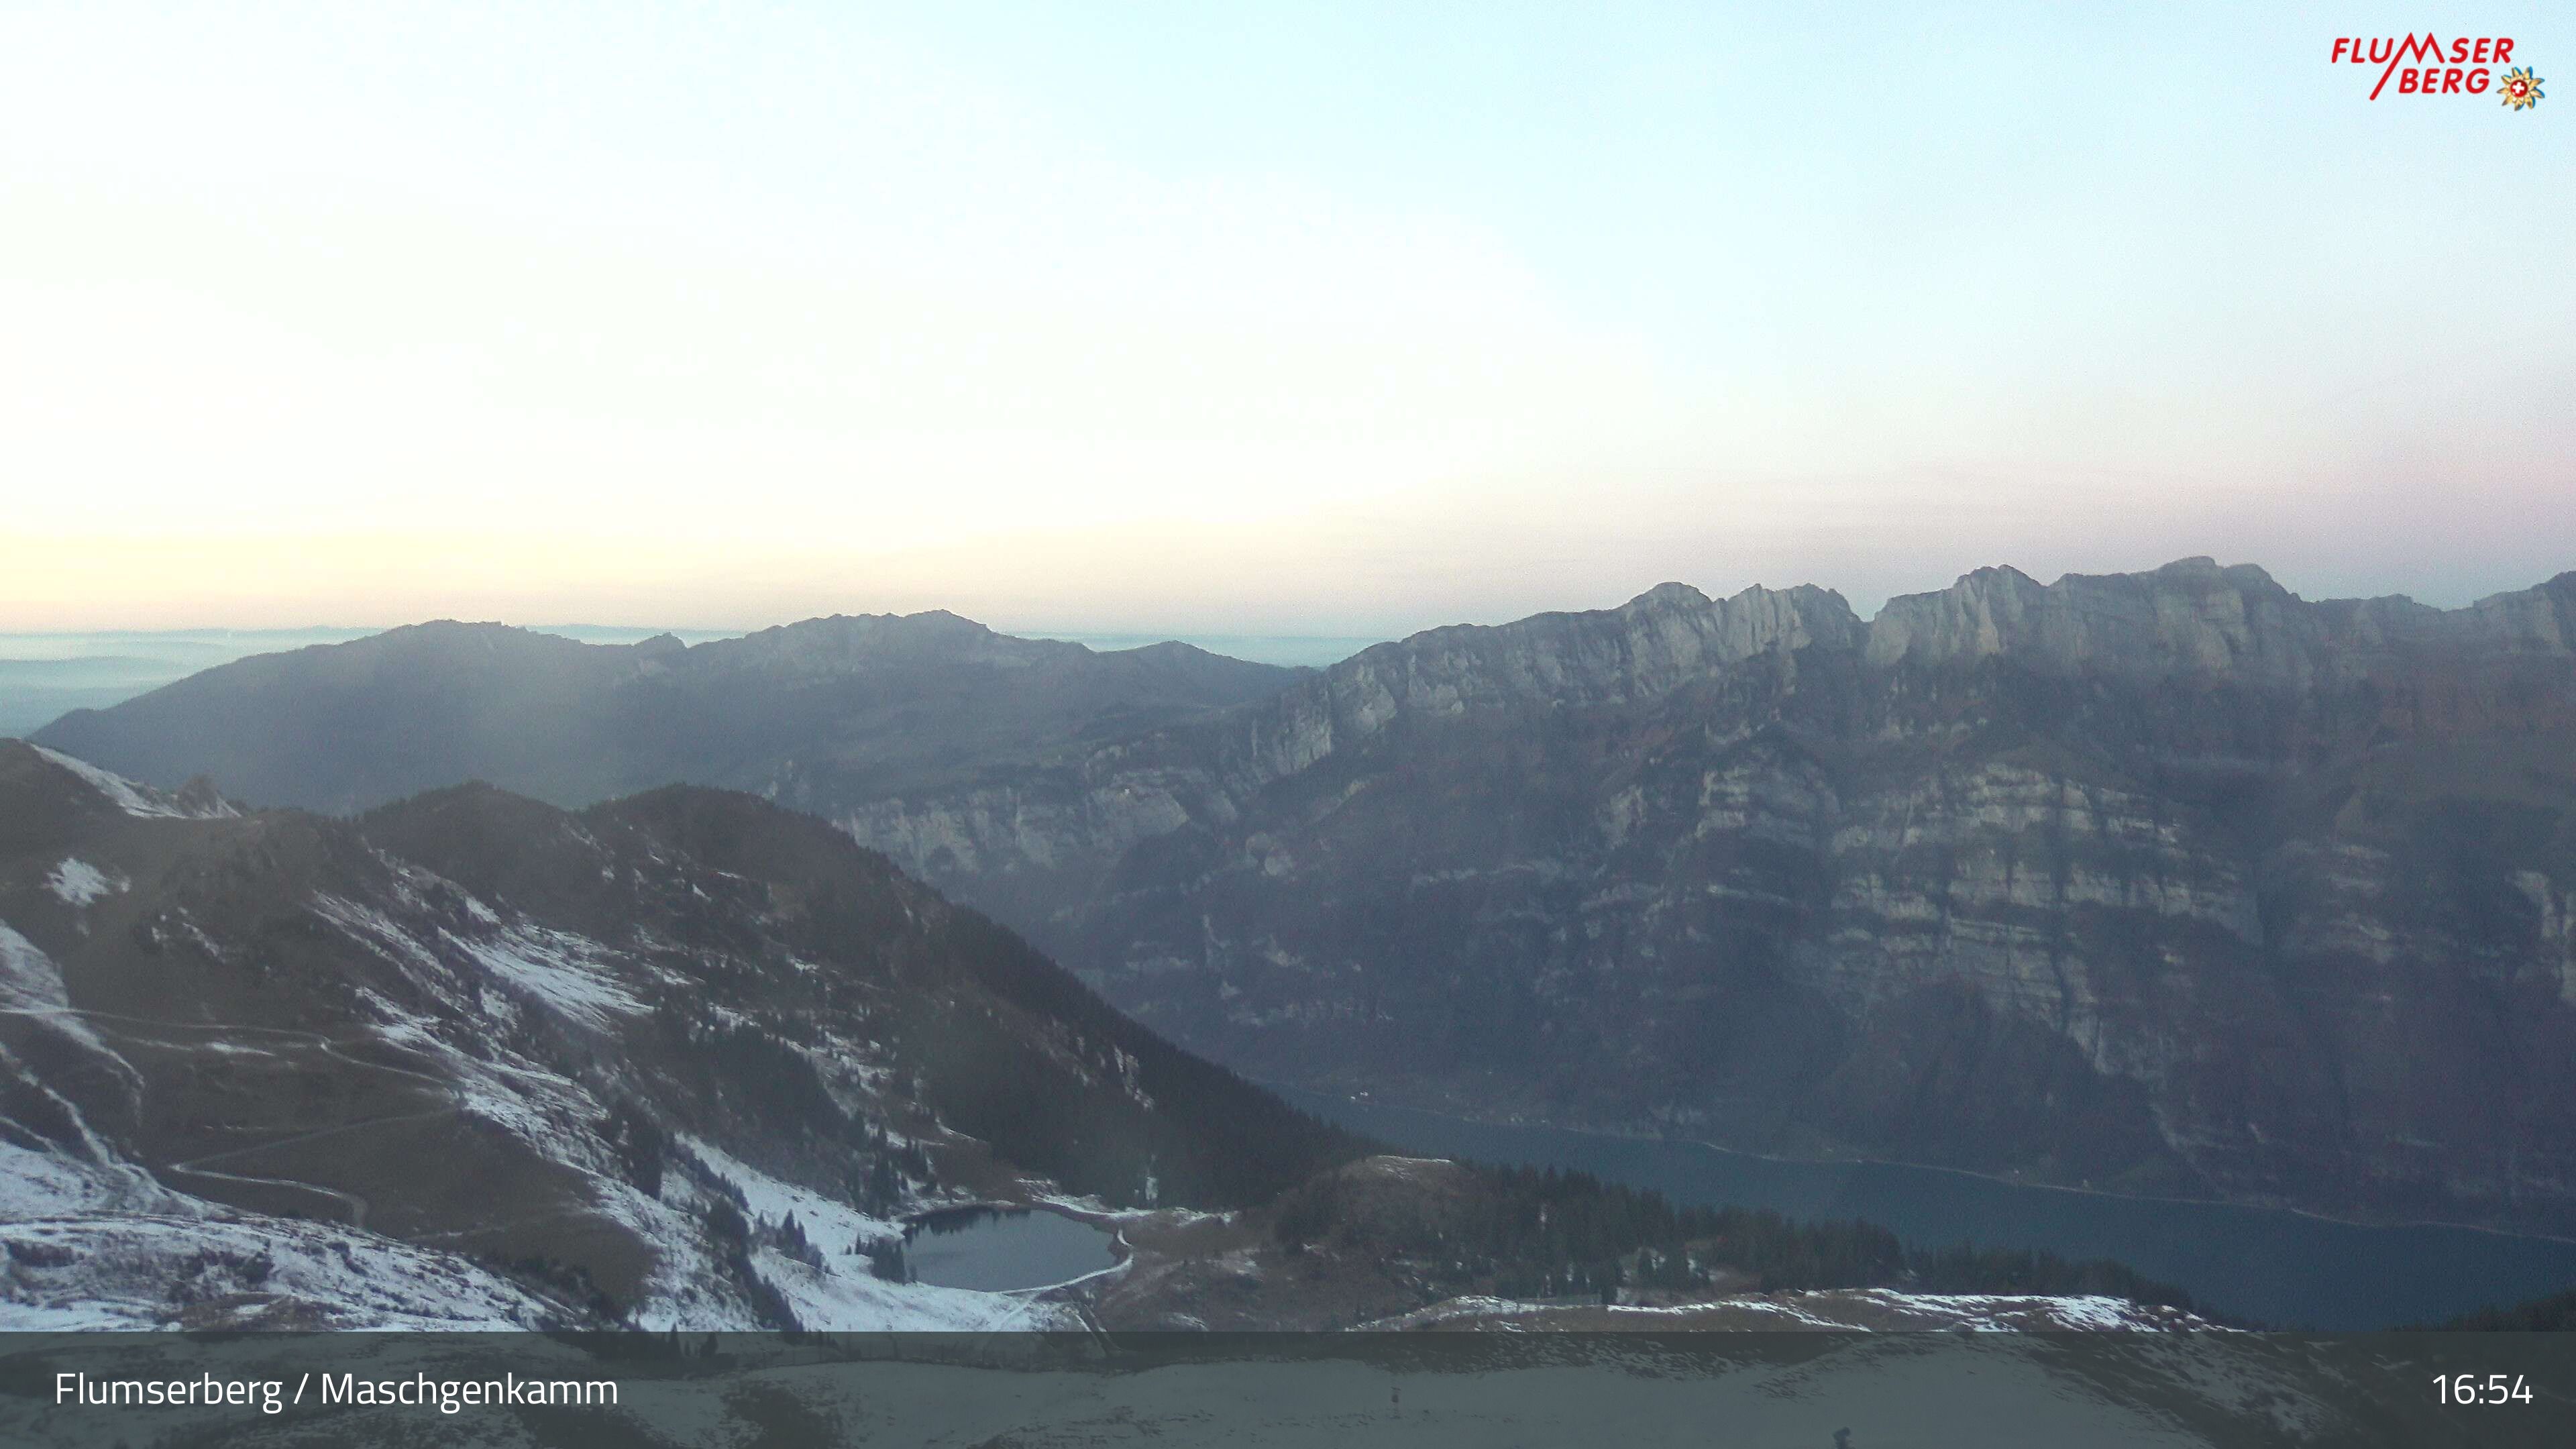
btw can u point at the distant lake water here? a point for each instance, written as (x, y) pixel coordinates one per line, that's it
(2278, 1267)
(998, 1250)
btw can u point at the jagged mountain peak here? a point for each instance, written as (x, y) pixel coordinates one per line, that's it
(2201, 568)
(2191, 616)
(2195, 617)
(1806, 613)
(1663, 640)
(2199, 573)
(1672, 626)
(1990, 576)
(1667, 597)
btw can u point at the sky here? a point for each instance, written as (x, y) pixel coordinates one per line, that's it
(1256, 319)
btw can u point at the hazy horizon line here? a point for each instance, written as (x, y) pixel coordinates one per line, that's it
(1181, 633)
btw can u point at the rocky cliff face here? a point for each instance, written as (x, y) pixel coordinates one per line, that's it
(2195, 619)
(2169, 882)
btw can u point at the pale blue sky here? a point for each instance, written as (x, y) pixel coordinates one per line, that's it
(1297, 319)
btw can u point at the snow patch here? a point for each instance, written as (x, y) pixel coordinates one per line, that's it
(126, 795)
(31, 985)
(2003, 1313)
(164, 1270)
(834, 1300)
(843, 1296)
(375, 929)
(50, 1185)
(76, 882)
(830, 1224)
(559, 968)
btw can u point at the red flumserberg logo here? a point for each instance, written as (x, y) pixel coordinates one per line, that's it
(2426, 65)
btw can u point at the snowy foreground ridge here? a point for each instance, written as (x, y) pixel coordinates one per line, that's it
(441, 1023)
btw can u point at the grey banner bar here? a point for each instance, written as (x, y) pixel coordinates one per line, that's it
(1791, 1390)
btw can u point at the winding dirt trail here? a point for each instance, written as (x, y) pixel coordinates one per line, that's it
(329, 1046)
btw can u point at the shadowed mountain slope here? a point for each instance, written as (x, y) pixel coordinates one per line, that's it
(475, 1060)
(815, 714)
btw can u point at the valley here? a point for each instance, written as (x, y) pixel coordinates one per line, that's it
(688, 1060)
(2170, 884)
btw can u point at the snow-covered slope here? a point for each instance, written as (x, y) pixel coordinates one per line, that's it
(679, 1062)
(1866, 1310)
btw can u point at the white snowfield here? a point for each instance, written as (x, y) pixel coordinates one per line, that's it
(76, 883)
(556, 967)
(31, 986)
(2009, 1312)
(96, 1244)
(101, 1244)
(149, 1271)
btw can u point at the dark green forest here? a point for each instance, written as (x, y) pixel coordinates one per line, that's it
(1544, 1233)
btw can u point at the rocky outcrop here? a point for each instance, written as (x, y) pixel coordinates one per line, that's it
(2172, 882)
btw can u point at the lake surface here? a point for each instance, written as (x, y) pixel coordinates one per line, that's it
(995, 1250)
(2278, 1267)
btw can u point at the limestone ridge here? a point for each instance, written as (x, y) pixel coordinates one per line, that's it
(2189, 619)
(2169, 880)
(2194, 617)
(1643, 649)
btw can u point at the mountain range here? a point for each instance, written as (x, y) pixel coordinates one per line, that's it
(811, 714)
(2169, 883)
(689, 1060)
